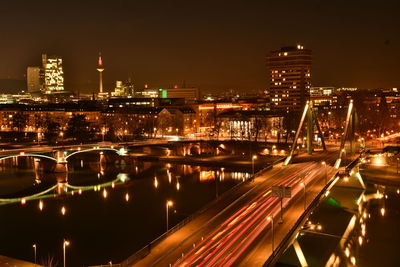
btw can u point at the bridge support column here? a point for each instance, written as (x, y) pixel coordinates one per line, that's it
(103, 159)
(61, 167)
(36, 165)
(353, 127)
(309, 130)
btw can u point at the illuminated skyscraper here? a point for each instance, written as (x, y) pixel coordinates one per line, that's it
(290, 78)
(53, 73)
(100, 69)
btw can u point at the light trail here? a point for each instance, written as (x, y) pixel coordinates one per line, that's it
(236, 214)
(239, 230)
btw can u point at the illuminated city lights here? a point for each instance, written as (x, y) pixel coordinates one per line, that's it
(105, 193)
(198, 107)
(63, 210)
(383, 210)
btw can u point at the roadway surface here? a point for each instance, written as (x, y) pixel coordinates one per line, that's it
(238, 233)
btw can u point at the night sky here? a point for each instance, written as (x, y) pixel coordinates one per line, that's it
(209, 44)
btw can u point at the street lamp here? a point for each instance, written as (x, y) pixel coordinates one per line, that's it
(304, 190)
(252, 162)
(34, 252)
(62, 136)
(397, 166)
(326, 174)
(271, 219)
(65, 244)
(168, 204)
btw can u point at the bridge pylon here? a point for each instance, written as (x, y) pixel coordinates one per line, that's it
(310, 115)
(350, 129)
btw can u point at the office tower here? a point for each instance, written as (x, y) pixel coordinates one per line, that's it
(290, 78)
(53, 73)
(34, 79)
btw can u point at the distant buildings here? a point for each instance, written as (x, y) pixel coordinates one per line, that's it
(124, 89)
(48, 78)
(33, 78)
(190, 94)
(187, 93)
(290, 78)
(324, 97)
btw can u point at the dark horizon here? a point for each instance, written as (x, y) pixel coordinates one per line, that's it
(208, 45)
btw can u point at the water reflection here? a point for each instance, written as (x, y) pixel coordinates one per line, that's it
(94, 197)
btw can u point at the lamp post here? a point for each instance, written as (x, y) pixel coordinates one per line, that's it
(303, 184)
(34, 252)
(252, 162)
(65, 244)
(167, 205)
(103, 131)
(397, 165)
(62, 136)
(326, 174)
(271, 219)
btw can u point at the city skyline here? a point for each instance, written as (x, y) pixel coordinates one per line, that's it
(354, 45)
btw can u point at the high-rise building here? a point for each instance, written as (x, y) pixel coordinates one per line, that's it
(290, 78)
(53, 73)
(34, 79)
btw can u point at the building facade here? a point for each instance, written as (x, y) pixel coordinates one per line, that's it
(290, 78)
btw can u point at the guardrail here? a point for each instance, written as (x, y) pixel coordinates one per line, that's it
(280, 249)
(143, 252)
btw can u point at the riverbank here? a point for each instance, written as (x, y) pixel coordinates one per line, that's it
(214, 161)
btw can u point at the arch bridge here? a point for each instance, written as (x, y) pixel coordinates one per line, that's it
(60, 156)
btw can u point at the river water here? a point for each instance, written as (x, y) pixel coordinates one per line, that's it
(105, 212)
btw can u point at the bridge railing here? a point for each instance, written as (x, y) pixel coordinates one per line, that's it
(143, 252)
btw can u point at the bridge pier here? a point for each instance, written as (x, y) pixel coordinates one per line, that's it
(61, 167)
